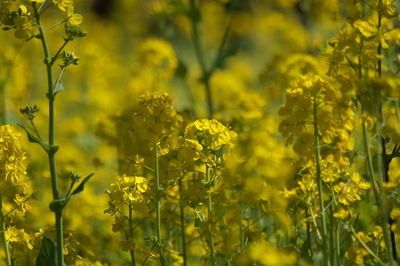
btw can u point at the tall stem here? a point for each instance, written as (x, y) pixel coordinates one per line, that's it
(242, 236)
(200, 58)
(319, 184)
(377, 184)
(158, 205)
(182, 216)
(383, 165)
(52, 151)
(332, 234)
(3, 103)
(130, 232)
(210, 221)
(337, 243)
(2, 233)
(309, 244)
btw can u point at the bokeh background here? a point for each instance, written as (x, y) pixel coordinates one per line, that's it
(254, 49)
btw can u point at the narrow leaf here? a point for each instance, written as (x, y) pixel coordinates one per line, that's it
(47, 254)
(32, 138)
(81, 186)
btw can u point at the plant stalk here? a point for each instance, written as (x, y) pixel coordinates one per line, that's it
(158, 205)
(319, 184)
(182, 216)
(3, 103)
(3, 233)
(130, 231)
(52, 151)
(210, 221)
(200, 57)
(383, 166)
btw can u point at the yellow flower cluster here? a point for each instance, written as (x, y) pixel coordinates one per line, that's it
(15, 235)
(211, 134)
(67, 6)
(313, 100)
(208, 139)
(125, 193)
(348, 192)
(15, 15)
(157, 56)
(263, 253)
(156, 119)
(126, 189)
(358, 255)
(19, 16)
(13, 160)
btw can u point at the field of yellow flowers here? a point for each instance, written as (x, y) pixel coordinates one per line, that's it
(199, 132)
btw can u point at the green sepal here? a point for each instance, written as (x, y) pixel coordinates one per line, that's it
(58, 89)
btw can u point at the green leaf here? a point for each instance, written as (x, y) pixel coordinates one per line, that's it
(81, 186)
(48, 253)
(32, 138)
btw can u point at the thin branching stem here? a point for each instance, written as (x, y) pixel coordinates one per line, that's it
(210, 221)
(319, 184)
(207, 71)
(366, 246)
(52, 146)
(182, 218)
(158, 205)
(383, 165)
(2, 233)
(130, 233)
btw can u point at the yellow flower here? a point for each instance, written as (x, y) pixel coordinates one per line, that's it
(342, 214)
(264, 253)
(365, 28)
(73, 18)
(156, 120)
(157, 56)
(356, 178)
(13, 161)
(211, 134)
(13, 234)
(63, 5)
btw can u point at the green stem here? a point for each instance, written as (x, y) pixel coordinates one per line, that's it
(309, 244)
(158, 205)
(3, 103)
(242, 237)
(52, 151)
(182, 216)
(383, 166)
(337, 243)
(366, 246)
(210, 221)
(207, 72)
(332, 232)
(130, 231)
(200, 57)
(319, 184)
(3, 235)
(370, 167)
